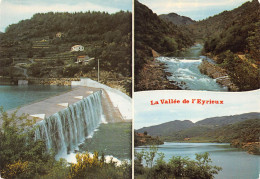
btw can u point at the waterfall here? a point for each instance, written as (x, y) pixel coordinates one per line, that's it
(66, 129)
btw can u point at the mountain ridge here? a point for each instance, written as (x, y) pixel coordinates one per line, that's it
(153, 33)
(177, 19)
(167, 129)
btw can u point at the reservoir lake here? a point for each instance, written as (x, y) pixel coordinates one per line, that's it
(13, 96)
(236, 164)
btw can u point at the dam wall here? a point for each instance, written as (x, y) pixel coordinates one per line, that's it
(66, 129)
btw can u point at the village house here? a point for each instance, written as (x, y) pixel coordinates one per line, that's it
(77, 48)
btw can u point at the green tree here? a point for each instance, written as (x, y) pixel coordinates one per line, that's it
(20, 155)
(150, 155)
(177, 167)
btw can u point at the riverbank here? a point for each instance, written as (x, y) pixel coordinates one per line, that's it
(154, 77)
(241, 69)
(141, 139)
(252, 148)
(217, 73)
(114, 139)
(123, 84)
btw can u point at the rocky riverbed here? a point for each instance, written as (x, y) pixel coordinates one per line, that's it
(217, 73)
(153, 77)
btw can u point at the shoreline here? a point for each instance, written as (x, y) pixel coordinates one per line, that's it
(249, 147)
(219, 74)
(252, 148)
(153, 77)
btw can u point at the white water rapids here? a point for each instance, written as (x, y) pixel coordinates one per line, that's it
(186, 75)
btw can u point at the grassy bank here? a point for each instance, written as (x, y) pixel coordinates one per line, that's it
(111, 139)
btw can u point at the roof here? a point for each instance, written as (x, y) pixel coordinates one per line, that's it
(77, 46)
(83, 56)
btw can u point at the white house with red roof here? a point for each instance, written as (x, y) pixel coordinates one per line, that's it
(77, 48)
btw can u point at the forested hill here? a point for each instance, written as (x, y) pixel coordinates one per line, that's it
(167, 128)
(232, 38)
(214, 25)
(77, 27)
(43, 45)
(234, 30)
(240, 130)
(180, 129)
(151, 32)
(157, 34)
(243, 135)
(177, 19)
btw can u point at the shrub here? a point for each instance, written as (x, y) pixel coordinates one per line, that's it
(96, 167)
(16, 169)
(177, 167)
(20, 155)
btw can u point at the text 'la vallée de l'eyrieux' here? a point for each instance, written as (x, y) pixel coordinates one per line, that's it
(186, 101)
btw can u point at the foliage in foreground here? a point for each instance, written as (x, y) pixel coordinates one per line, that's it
(23, 157)
(176, 167)
(96, 167)
(20, 154)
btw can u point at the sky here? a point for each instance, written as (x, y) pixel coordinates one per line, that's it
(195, 9)
(12, 11)
(146, 114)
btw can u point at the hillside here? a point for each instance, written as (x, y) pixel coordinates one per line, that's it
(41, 47)
(177, 19)
(232, 39)
(166, 128)
(246, 131)
(153, 33)
(214, 25)
(178, 130)
(222, 121)
(243, 135)
(241, 131)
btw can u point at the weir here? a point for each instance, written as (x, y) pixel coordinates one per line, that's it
(66, 129)
(66, 120)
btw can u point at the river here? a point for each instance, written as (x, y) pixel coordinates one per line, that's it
(12, 96)
(235, 164)
(185, 73)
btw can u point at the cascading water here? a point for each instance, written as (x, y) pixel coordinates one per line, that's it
(66, 129)
(186, 75)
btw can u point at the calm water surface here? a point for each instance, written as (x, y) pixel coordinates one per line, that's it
(235, 164)
(12, 96)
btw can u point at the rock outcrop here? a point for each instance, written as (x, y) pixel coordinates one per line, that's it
(217, 73)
